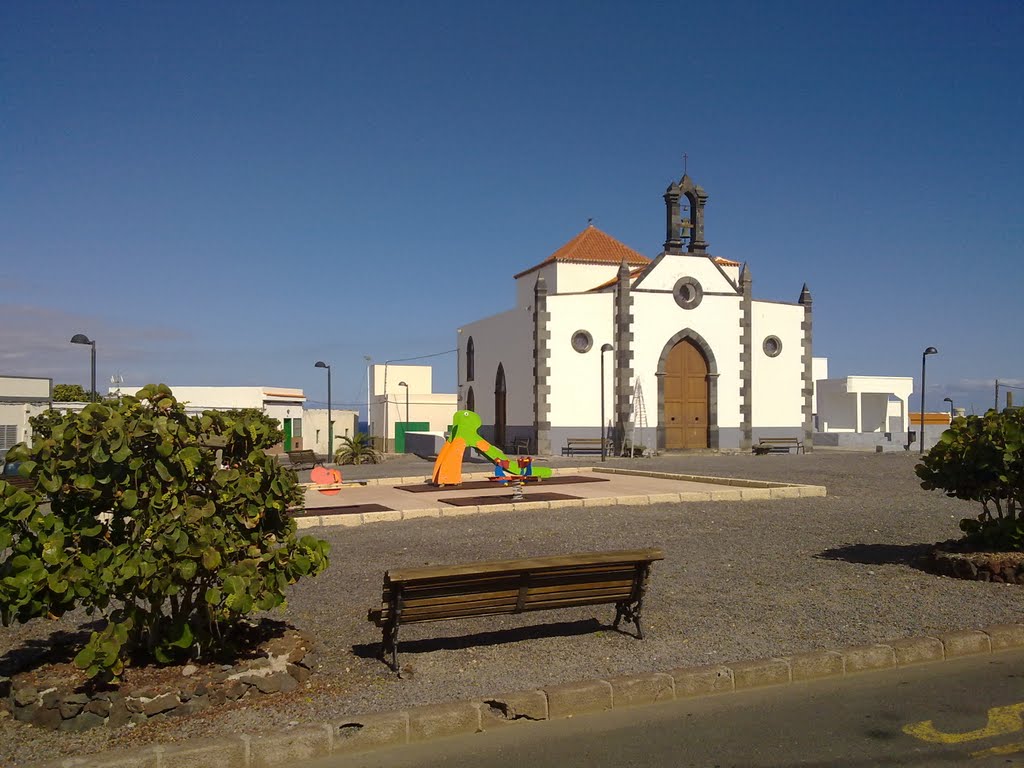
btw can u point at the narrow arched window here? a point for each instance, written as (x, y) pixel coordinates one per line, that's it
(470, 360)
(470, 400)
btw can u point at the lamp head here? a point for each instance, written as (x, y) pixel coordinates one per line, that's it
(402, 384)
(931, 351)
(320, 364)
(81, 338)
(948, 400)
(607, 348)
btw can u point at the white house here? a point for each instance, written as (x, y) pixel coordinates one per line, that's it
(281, 403)
(402, 399)
(21, 397)
(314, 427)
(717, 368)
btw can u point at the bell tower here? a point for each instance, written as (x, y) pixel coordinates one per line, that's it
(685, 223)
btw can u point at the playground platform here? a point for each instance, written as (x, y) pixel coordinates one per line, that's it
(406, 498)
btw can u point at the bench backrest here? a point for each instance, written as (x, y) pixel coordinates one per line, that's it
(514, 586)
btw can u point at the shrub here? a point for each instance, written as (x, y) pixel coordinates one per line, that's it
(981, 458)
(357, 449)
(171, 526)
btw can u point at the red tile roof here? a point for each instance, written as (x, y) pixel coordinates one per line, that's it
(592, 246)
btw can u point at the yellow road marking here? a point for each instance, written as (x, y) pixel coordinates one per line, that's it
(1006, 749)
(1001, 720)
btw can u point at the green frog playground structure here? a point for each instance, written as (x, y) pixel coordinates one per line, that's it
(448, 466)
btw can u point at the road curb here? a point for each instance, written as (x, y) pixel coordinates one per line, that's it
(274, 749)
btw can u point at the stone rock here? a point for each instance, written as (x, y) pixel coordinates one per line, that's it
(69, 709)
(235, 689)
(25, 695)
(134, 705)
(201, 689)
(189, 670)
(217, 696)
(24, 714)
(51, 698)
(300, 673)
(277, 682)
(193, 705)
(46, 718)
(83, 722)
(119, 714)
(98, 707)
(5, 687)
(144, 693)
(160, 704)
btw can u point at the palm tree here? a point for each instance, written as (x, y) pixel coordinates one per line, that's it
(357, 449)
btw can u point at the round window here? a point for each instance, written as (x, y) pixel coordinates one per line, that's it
(772, 346)
(688, 292)
(582, 341)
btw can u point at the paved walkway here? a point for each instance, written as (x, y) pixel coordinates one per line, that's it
(404, 498)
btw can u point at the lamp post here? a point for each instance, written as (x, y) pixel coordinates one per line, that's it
(950, 401)
(604, 445)
(330, 423)
(81, 338)
(924, 359)
(403, 384)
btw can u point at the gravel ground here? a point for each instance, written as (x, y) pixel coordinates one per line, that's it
(740, 580)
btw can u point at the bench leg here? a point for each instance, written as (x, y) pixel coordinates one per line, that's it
(389, 646)
(630, 611)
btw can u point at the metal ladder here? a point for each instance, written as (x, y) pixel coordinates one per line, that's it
(639, 411)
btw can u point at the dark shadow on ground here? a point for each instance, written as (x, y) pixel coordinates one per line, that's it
(913, 555)
(496, 637)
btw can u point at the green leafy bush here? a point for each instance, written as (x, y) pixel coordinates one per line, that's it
(981, 458)
(171, 526)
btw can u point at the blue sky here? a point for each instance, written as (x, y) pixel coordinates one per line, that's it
(226, 193)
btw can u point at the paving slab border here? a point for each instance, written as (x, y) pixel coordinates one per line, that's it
(274, 749)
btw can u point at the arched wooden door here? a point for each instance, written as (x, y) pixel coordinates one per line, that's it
(499, 407)
(686, 398)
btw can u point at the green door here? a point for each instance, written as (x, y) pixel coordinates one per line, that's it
(402, 427)
(287, 434)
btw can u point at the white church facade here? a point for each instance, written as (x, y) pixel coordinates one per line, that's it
(717, 368)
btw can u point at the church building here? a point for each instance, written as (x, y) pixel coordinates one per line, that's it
(673, 353)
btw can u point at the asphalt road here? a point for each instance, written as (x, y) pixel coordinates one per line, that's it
(966, 712)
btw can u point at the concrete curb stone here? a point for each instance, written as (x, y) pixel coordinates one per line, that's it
(362, 733)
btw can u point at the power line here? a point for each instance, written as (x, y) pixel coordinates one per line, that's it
(420, 357)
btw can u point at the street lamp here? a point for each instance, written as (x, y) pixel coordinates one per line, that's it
(924, 358)
(81, 338)
(330, 423)
(604, 444)
(950, 401)
(403, 384)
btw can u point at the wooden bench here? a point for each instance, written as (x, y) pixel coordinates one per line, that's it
(27, 483)
(302, 459)
(585, 445)
(413, 595)
(778, 445)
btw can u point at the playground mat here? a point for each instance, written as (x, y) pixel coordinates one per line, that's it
(474, 485)
(351, 509)
(475, 501)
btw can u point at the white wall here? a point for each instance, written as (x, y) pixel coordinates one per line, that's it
(387, 406)
(658, 318)
(777, 382)
(507, 339)
(575, 397)
(576, 278)
(314, 428)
